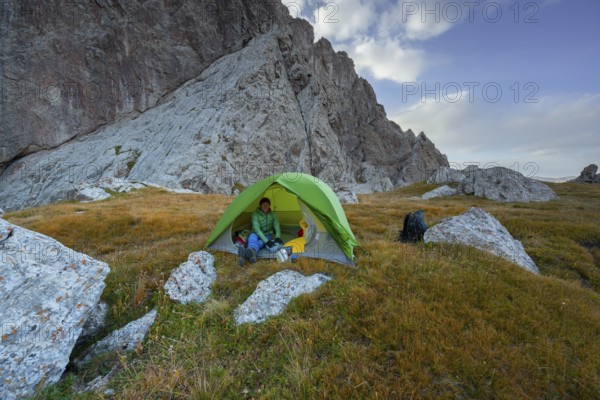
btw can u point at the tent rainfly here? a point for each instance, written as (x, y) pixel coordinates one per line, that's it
(294, 196)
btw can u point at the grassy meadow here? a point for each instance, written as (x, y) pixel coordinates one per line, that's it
(410, 321)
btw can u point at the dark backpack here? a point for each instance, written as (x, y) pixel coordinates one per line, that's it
(414, 227)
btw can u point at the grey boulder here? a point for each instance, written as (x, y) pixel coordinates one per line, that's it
(504, 184)
(47, 292)
(480, 229)
(99, 383)
(347, 197)
(192, 280)
(439, 192)
(274, 293)
(124, 339)
(588, 175)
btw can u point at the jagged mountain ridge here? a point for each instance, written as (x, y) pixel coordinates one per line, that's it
(280, 102)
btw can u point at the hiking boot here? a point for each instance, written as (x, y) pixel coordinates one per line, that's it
(241, 251)
(251, 254)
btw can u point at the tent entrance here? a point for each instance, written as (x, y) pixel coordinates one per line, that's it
(293, 197)
(285, 204)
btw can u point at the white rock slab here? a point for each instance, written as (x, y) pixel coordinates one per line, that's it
(274, 293)
(439, 192)
(46, 293)
(347, 197)
(124, 339)
(480, 229)
(192, 280)
(91, 193)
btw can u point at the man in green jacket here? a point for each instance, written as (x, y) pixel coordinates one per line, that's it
(265, 227)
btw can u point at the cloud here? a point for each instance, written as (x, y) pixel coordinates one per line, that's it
(386, 59)
(344, 20)
(378, 35)
(420, 23)
(558, 135)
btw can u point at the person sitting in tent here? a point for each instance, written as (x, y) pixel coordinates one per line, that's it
(265, 227)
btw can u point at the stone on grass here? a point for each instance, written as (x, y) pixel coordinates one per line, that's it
(97, 384)
(124, 339)
(439, 192)
(504, 184)
(192, 280)
(47, 292)
(480, 229)
(274, 293)
(91, 193)
(588, 175)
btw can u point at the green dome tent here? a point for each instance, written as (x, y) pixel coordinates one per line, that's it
(294, 196)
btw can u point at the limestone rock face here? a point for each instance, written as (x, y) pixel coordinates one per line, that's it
(262, 98)
(47, 292)
(588, 175)
(480, 229)
(67, 68)
(274, 293)
(192, 280)
(503, 184)
(347, 197)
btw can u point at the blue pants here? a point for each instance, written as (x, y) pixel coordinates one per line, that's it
(254, 242)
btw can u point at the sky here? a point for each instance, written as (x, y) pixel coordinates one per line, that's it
(494, 83)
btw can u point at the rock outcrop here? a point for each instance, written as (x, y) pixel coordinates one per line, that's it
(445, 175)
(497, 183)
(588, 175)
(96, 191)
(503, 184)
(259, 97)
(347, 197)
(480, 229)
(192, 280)
(274, 293)
(47, 292)
(124, 339)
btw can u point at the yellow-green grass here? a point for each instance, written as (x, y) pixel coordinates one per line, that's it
(410, 321)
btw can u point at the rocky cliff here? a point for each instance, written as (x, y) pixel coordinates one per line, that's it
(70, 67)
(192, 95)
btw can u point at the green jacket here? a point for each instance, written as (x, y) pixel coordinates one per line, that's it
(265, 224)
